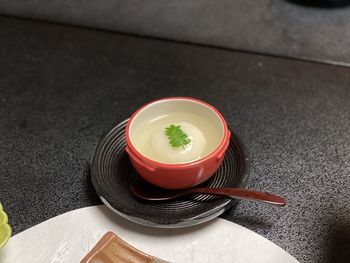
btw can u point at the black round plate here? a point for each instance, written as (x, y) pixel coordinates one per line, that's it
(112, 175)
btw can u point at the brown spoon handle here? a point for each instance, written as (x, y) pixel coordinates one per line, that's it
(244, 194)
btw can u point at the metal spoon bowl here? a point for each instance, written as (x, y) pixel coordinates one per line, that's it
(237, 193)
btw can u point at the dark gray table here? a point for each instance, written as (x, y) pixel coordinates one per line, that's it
(62, 87)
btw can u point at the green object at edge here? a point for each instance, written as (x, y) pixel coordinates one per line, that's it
(5, 229)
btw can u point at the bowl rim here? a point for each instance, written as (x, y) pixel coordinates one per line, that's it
(224, 140)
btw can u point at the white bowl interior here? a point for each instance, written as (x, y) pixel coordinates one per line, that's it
(162, 107)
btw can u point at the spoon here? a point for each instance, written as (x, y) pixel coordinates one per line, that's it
(237, 193)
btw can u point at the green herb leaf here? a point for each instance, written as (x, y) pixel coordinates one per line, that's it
(177, 138)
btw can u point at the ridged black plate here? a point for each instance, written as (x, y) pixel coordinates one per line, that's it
(112, 174)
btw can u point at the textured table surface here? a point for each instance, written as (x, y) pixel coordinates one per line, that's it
(278, 27)
(62, 87)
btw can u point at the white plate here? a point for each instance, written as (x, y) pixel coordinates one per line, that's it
(69, 237)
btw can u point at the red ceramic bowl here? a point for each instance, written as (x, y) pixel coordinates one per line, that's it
(177, 175)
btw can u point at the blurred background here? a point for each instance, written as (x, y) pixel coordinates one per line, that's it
(315, 30)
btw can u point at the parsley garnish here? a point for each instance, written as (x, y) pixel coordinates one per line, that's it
(177, 138)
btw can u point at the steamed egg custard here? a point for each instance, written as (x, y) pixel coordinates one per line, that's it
(176, 137)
